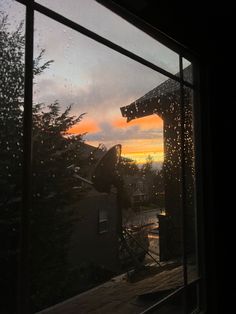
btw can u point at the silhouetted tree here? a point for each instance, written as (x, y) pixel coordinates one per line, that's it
(55, 191)
(147, 167)
(128, 166)
(11, 133)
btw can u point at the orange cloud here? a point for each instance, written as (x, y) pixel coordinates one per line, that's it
(145, 123)
(84, 126)
(142, 145)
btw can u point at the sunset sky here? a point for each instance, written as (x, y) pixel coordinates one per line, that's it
(97, 80)
(139, 138)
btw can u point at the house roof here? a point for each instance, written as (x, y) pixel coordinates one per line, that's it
(147, 104)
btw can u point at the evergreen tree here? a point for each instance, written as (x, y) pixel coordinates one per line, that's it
(147, 168)
(128, 167)
(55, 191)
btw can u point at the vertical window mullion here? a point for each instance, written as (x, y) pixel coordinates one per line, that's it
(24, 273)
(197, 99)
(183, 183)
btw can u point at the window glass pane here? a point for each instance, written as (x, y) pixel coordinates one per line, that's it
(193, 298)
(12, 40)
(187, 71)
(88, 157)
(102, 21)
(174, 305)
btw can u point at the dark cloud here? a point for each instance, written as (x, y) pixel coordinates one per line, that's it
(107, 87)
(109, 133)
(86, 73)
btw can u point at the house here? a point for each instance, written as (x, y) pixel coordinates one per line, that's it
(165, 101)
(96, 241)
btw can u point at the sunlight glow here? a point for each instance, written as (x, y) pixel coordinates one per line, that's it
(149, 141)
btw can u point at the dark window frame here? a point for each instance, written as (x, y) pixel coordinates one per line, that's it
(31, 7)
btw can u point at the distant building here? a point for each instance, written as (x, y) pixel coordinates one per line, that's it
(136, 189)
(94, 240)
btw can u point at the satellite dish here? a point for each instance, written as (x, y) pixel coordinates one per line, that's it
(105, 173)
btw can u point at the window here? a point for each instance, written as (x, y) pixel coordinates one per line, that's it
(110, 194)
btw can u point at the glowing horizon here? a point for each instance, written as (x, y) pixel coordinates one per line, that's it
(141, 153)
(149, 132)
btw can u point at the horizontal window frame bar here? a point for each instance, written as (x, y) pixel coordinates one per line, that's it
(149, 29)
(82, 30)
(171, 296)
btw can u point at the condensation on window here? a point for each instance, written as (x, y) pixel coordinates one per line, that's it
(102, 21)
(12, 40)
